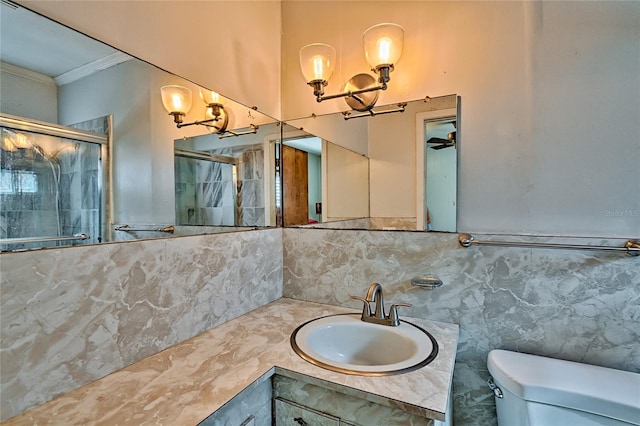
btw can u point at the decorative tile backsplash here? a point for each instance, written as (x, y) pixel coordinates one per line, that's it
(576, 305)
(70, 316)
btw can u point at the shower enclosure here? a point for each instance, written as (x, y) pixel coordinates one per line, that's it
(220, 187)
(53, 183)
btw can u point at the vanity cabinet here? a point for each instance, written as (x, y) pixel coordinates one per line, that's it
(316, 405)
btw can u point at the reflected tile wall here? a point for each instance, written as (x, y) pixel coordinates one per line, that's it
(576, 305)
(70, 316)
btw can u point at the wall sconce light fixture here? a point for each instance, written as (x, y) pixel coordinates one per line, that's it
(383, 45)
(177, 102)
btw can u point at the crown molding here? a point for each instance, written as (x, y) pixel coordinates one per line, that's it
(27, 74)
(92, 67)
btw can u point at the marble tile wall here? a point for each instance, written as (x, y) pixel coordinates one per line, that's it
(251, 208)
(577, 305)
(361, 223)
(70, 316)
(393, 223)
(370, 223)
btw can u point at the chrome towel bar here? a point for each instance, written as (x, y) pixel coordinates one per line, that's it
(43, 239)
(631, 247)
(168, 229)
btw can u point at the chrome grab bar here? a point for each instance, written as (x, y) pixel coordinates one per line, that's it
(43, 239)
(168, 229)
(631, 247)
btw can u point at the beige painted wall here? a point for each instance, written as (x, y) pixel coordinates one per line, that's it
(350, 134)
(346, 190)
(550, 132)
(392, 150)
(232, 47)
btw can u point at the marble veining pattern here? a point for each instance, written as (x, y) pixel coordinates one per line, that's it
(70, 316)
(578, 305)
(187, 382)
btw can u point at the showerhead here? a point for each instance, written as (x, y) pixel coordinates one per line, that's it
(39, 150)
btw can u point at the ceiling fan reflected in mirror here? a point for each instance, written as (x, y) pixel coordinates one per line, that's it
(442, 143)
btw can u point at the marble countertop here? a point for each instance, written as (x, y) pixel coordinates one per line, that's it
(187, 382)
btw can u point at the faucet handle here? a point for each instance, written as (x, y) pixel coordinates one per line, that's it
(393, 313)
(366, 309)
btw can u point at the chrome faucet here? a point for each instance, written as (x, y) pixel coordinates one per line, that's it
(374, 295)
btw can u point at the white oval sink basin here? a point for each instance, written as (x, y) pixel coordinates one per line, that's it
(346, 344)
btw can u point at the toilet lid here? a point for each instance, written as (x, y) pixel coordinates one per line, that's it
(598, 390)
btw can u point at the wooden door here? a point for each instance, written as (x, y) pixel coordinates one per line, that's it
(295, 186)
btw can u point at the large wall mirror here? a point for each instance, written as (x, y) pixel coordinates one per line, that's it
(87, 147)
(90, 155)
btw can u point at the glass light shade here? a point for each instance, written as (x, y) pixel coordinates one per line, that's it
(176, 99)
(210, 97)
(21, 141)
(7, 144)
(317, 62)
(383, 44)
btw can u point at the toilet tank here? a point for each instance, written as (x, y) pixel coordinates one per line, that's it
(541, 391)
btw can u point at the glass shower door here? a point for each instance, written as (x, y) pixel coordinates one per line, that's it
(50, 190)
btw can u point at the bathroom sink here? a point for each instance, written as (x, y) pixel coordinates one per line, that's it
(346, 344)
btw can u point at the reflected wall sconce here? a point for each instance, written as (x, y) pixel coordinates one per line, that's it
(383, 45)
(177, 102)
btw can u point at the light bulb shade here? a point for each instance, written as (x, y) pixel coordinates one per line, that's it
(210, 97)
(317, 62)
(176, 99)
(21, 141)
(383, 44)
(7, 144)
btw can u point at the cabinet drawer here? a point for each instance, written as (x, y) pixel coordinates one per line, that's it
(289, 413)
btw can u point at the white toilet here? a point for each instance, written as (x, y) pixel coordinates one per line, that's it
(538, 391)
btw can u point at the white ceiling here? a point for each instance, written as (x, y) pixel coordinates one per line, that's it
(312, 145)
(31, 41)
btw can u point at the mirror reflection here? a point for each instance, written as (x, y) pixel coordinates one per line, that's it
(429, 202)
(440, 174)
(221, 180)
(278, 176)
(66, 97)
(321, 182)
